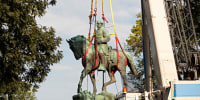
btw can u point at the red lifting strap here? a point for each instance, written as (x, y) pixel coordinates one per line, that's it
(87, 50)
(104, 18)
(117, 51)
(117, 41)
(97, 58)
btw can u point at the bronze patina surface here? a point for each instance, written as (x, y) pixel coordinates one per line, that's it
(79, 45)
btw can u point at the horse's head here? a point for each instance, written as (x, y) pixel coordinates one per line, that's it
(77, 44)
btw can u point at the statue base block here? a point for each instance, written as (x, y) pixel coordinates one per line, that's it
(85, 95)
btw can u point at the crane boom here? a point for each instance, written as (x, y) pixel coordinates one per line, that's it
(157, 30)
(170, 41)
(156, 25)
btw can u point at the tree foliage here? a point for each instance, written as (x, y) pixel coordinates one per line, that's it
(26, 49)
(134, 41)
(134, 44)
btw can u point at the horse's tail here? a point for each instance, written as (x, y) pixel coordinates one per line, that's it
(130, 64)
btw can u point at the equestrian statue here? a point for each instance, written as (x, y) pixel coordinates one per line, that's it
(108, 58)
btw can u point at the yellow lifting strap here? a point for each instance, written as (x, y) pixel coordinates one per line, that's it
(103, 37)
(94, 15)
(102, 7)
(115, 33)
(95, 3)
(112, 34)
(112, 19)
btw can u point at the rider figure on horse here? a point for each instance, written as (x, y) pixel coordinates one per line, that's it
(102, 37)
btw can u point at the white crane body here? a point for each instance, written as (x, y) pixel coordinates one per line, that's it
(156, 32)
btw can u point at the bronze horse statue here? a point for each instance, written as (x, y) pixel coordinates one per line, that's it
(79, 45)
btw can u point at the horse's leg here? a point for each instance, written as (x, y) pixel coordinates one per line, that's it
(123, 75)
(112, 80)
(92, 77)
(83, 74)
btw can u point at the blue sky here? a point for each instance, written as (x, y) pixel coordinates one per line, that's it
(70, 18)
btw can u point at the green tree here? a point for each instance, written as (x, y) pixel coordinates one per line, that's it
(134, 41)
(26, 49)
(134, 44)
(22, 94)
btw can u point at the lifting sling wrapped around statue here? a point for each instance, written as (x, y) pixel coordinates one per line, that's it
(99, 56)
(108, 58)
